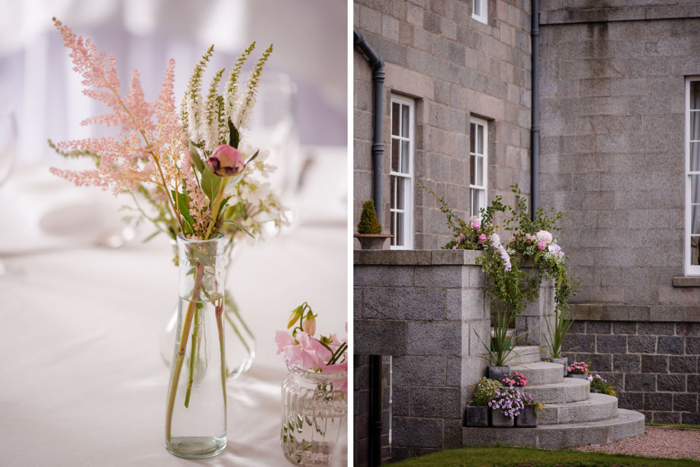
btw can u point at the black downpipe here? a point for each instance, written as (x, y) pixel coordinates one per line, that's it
(375, 361)
(535, 131)
(377, 65)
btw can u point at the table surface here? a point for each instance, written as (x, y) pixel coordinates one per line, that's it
(82, 382)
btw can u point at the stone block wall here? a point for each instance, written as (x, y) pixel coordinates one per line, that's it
(424, 308)
(653, 366)
(454, 68)
(612, 147)
(532, 324)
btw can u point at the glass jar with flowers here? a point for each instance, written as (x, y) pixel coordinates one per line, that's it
(314, 393)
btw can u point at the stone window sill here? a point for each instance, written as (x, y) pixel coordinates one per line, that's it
(686, 281)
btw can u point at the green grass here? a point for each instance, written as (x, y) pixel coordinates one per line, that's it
(683, 427)
(502, 456)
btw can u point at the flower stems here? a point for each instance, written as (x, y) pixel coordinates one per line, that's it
(175, 380)
(193, 349)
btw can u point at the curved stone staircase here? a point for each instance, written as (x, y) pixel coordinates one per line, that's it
(573, 415)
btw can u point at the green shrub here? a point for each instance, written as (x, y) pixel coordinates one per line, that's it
(485, 390)
(369, 224)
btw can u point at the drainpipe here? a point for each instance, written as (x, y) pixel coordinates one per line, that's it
(535, 130)
(375, 361)
(377, 65)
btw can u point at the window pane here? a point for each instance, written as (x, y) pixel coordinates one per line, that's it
(695, 220)
(395, 117)
(479, 171)
(405, 157)
(399, 229)
(695, 189)
(395, 144)
(400, 191)
(472, 170)
(694, 157)
(393, 228)
(695, 126)
(476, 5)
(405, 116)
(695, 251)
(474, 201)
(393, 193)
(472, 137)
(695, 95)
(479, 139)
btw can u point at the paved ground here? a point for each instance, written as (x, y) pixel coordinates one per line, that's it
(656, 442)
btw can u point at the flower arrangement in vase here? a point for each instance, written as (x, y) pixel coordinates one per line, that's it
(314, 393)
(199, 179)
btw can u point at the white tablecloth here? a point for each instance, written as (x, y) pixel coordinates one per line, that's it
(82, 382)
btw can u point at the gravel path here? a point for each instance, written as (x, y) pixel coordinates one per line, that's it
(656, 442)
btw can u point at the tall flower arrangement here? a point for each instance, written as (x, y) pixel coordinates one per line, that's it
(194, 169)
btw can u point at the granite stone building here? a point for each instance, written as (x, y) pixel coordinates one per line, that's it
(619, 152)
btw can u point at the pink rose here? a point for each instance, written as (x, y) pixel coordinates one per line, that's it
(541, 246)
(482, 239)
(476, 225)
(226, 161)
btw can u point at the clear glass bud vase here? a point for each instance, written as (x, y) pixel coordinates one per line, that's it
(313, 416)
(240, 341)
(195, 425)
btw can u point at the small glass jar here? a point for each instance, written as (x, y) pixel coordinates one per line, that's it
(313, 416)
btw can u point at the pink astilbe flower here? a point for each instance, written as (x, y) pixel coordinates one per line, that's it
(151, 145)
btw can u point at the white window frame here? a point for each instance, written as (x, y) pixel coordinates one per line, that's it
(485, 165)
(408, 185)
(483, 5)
(690, 270)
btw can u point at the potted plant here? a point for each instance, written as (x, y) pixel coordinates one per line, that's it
(578, 370)
(527, 418)
(601, 386)
(369, 230)
(505, 405)
(500, 349)
(518, 381)
(477, 411)
(563, 319)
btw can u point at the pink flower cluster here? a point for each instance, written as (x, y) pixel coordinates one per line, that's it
(496, 243)
(578, 368)
(304, 351)
(555, 250)
(543, 239)
(474, 221)
(520, 379)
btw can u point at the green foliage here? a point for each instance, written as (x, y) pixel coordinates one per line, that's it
(369, 224)
(485, 390)
(601, 386)
(465, 236)
(504, 456)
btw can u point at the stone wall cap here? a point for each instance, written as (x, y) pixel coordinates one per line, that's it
(415, 257)
(637, 313)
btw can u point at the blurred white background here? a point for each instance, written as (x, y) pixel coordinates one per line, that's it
(310, 39)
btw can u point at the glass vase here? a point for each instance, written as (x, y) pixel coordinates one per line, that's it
(313, 415)
(240, 341)
(195, 425)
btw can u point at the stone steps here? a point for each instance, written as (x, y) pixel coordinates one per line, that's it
(567, 390)
(626, 424)
(524, 354)
(539, 373)
(596, 407)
